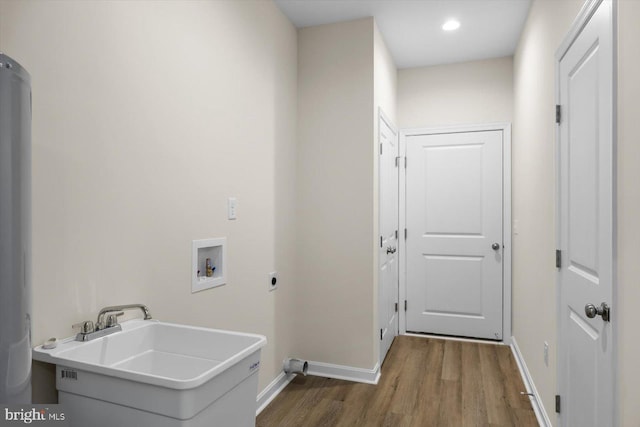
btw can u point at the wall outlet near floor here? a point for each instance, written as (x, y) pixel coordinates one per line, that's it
(273, 281)
(546, 353)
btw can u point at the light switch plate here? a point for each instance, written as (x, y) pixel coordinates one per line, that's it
(232, 208)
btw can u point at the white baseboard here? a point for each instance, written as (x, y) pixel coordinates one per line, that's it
(349, 373)
(319, 369)
(536, 402)
(272, 390)
(460, 339)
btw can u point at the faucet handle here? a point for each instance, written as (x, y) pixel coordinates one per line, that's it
(112, 318)
(85, 327)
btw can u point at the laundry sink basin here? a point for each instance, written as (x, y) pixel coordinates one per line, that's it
(156, 373)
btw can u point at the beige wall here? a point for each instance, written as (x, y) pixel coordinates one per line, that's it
(385, 76)
(628, 283)
(146, 117)
(335, 293)
(465, 93)
(534, 274)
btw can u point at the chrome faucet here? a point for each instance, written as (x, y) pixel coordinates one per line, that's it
(112, 319)
(107, 322)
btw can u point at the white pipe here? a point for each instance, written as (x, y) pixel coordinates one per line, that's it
(295, 366)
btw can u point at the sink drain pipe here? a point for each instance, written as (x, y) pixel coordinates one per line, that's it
(295, 366)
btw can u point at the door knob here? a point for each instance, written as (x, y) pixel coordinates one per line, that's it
(495, 246)
(592, 311)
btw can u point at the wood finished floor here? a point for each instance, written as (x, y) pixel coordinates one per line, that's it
(425, 382)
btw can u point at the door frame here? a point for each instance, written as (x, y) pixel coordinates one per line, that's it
(383, 117)
(581, 20)
(506, 215)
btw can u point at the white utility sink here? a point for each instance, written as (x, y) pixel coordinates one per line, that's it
(158, 374)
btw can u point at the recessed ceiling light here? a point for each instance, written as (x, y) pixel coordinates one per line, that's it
(451, 25)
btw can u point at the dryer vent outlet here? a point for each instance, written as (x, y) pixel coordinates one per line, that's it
(295, 366)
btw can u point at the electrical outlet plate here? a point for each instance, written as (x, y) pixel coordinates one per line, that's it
(273, 281)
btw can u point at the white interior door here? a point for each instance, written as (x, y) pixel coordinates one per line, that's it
(388, 275)
(585, 225)
(454, 217)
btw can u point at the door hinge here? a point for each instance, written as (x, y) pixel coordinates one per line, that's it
(558, 258)
(396, 234)
(397, 161)
(381, 149)
(380, 334)
(396, 307)
(405, 234)
(380, 241)
(557, 403)
(405, 162)
(405, 305)
(558, 114)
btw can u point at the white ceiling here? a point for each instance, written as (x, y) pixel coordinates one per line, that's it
(412, 28)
